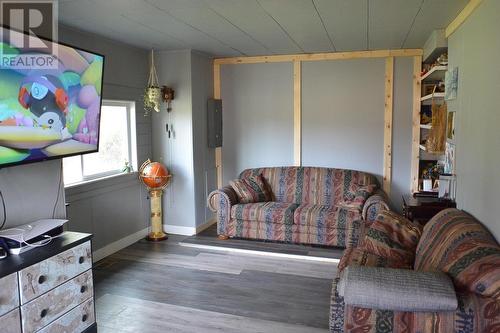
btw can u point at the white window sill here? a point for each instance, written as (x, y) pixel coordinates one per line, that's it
(100, 179)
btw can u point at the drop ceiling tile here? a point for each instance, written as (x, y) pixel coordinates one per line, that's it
(435, 14)
(390, 21)
(345, 21)
(302, 23)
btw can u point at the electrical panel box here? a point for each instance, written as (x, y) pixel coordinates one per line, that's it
(214, 108)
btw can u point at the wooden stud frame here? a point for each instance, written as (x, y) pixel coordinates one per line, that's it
(297, 60)
(415, 150)
(388, 105)
(461, 17)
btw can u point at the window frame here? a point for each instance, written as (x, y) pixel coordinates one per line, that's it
(131, 143)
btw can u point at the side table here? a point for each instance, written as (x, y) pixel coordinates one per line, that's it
(422, 209)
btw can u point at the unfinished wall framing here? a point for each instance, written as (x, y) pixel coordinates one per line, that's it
(297, 60)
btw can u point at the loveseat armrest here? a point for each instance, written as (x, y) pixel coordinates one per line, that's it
(220, 202)
(375, 203)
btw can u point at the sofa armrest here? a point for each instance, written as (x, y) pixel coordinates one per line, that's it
(220, 202)
(377, 202)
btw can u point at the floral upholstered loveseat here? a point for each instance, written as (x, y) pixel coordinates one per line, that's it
(309, 205)
(452, 243)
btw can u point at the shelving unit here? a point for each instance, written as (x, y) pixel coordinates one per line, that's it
(435, 74)
(438, 95)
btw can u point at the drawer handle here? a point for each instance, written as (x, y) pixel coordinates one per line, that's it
(83, 289)
(43, 313)
(81, 260)
(42, 279)
(84, 318)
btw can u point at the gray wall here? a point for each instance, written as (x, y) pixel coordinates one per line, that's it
(401, 130)
(176, 152)
(475, 49)
(204, 157)
(185, 153)
(257, 108)
(113, 208)
(343, 114)
(31, 192)
(342, 117)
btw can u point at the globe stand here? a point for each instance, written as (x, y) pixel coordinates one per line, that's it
(155, 176)
(156, 234)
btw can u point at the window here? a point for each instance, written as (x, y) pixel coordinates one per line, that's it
(116, 145)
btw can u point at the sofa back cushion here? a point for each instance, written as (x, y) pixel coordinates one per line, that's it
(456, 243)
(312, 185)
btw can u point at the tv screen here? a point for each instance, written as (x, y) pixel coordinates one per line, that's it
(50, 100)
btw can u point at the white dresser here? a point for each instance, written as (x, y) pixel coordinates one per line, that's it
(49, 289)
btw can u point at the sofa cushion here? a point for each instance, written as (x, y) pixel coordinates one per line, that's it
(272, 212)
(326, 216)
(251, 189)
(392, 236)
(456, 243)
(361, 257)
(397, 289)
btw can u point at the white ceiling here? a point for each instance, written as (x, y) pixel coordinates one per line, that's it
(262, 27)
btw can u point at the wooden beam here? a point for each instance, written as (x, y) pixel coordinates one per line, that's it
(461, 17)
(389, 87)
(297, 113)
(415, 153)
(218, 150)
(320, 56)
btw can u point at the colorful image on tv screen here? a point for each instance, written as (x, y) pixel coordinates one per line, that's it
(48, 112)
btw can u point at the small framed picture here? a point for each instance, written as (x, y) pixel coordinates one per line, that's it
(451, 84)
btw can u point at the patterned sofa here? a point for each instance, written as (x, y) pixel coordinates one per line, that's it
(452, 242)
(310, 205)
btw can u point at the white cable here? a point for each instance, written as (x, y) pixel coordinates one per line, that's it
(41, 243)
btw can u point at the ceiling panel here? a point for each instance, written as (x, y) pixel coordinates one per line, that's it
(435, 14)
(260, 27)
(346, 22)
(198, 15)
(300, 20)
(251, 18)
(390, 21)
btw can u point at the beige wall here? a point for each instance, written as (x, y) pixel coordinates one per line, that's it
(475, 49)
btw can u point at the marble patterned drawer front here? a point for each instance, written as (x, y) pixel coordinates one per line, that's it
(77, 320)
(9, 294)
(48, 274)
(50, 306)
(11, 322)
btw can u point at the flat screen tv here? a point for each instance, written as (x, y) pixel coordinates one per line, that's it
(50, 100)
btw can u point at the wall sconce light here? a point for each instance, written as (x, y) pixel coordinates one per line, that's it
(167, 95)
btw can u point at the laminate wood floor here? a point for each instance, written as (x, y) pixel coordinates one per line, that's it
(167, 287)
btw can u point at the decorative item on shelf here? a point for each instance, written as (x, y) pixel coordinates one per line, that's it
(451, 84)
(447, 187)
(436, 141)
(425, 114)
(430, 177)
(167, 94)
(152, 92)
(442, 60)
(127, 167)
(156, 178)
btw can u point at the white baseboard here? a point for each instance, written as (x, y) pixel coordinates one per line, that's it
(187, 231)
(179, 230)
(119, 244)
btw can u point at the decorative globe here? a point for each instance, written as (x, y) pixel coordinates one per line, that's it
(154, 175)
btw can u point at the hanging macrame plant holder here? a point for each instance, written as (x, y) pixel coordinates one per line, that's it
(152, 93)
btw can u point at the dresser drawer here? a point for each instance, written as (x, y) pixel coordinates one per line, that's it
(48, 274)
(9, 294)
(50, 306)
(77, 320)
(11, 322)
